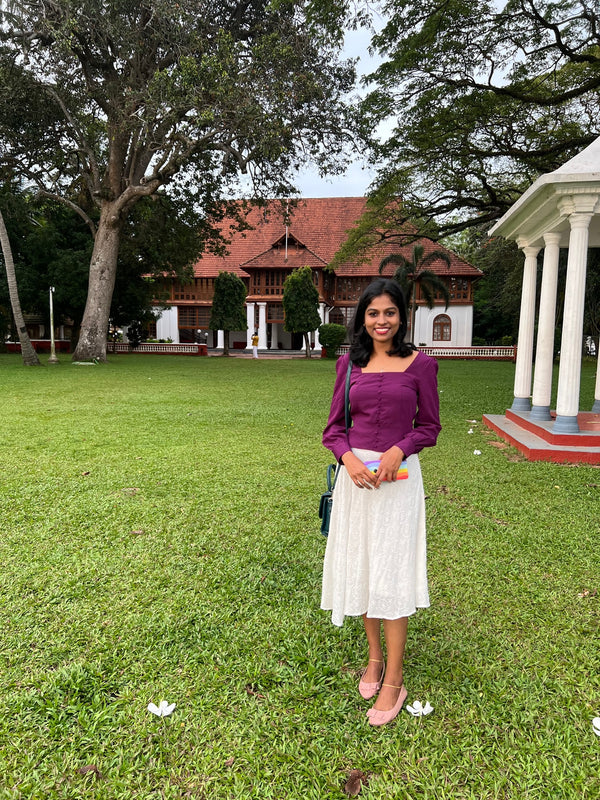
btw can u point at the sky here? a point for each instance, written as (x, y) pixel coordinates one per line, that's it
(355, 182)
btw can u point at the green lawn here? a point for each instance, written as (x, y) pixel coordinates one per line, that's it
(159, 540)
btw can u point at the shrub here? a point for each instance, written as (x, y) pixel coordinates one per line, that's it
(331, 337)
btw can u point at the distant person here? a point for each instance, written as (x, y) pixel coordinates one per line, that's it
(375, 561)
(255, 344)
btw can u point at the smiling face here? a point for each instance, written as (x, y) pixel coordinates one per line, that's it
(382, 319)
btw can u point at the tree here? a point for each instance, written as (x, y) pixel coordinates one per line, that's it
(52, 247)
(228, 311)
(102, 104)
(27, 351)
(301, 304)
(413, 272)
(490, 98)
(497, 294)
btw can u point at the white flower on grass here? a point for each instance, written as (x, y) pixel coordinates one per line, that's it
(470, 430)
(163, 709)
(596, 724)
(419, 710)
(476, 452)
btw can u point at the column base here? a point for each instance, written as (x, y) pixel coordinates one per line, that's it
(521, 404)
(596, 407)
(563, 424)
(540, 413)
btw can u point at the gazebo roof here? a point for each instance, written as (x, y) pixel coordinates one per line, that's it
(549, 201)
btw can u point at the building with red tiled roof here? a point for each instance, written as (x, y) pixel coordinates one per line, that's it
(285, 236)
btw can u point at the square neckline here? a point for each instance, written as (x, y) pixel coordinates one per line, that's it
(391, 371)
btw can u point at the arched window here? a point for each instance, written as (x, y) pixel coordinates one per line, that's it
(442, 328)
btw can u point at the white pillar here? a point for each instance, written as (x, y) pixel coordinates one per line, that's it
(220, 340)
(569, 374)
(250, 322)
(523, 368)
(262, 326)
(322, 311)
(544, 353)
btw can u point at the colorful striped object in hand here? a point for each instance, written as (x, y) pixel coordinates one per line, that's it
(373, 466)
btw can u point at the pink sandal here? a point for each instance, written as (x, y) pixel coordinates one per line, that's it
(377, 717)
(369, 690)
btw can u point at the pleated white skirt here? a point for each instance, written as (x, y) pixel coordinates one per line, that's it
(376, 555)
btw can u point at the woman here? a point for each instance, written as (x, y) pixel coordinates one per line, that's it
(375, 561)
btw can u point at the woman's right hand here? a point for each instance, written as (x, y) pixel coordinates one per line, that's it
(358, 472)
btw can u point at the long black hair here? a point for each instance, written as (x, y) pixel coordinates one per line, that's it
(362, 344)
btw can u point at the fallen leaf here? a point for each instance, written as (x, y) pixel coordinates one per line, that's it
(356, 780)
(90, 768)
(230, 762)
(251, 690)
(85, 473)
(137, 533)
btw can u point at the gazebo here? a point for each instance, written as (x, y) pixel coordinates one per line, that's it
(561, 209)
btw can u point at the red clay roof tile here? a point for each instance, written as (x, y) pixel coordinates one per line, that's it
(322, 225)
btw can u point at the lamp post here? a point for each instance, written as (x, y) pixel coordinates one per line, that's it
(52, 359)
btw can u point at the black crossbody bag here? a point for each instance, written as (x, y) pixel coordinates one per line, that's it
(326, 502)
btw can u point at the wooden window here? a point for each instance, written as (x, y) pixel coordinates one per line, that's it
(193, 317)
(275, 312)
(459, 289)
(341, 315)
(350, 289)
(442, 328)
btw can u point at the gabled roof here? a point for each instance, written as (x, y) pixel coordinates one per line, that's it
(316, 228)
(295, 258)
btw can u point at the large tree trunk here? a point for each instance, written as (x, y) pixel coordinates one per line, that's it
(103, 270)
(28, 354)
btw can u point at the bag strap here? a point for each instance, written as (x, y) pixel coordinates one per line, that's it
(347, 398)
(348, 419)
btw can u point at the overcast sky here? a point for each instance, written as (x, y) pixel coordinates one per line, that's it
(357, 178)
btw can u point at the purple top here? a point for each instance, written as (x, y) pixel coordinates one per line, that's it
(387, 408)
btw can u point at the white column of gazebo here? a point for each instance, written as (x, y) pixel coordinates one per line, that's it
(561, 209)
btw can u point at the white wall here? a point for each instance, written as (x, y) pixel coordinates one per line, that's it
(462, 325)
(166, 325)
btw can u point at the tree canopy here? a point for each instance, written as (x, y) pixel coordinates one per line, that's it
(228, 312)
(412, 272)
(104, 103)
(300, 304)
(53, 248)
(483, 98)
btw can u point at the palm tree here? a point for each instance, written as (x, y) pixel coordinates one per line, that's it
(412, 273)
(29, 355)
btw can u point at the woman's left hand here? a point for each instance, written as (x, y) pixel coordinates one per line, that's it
(389, 466)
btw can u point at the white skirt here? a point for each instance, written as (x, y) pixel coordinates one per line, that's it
(376, 555)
